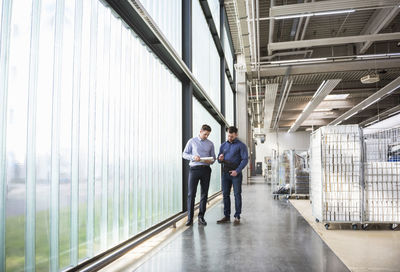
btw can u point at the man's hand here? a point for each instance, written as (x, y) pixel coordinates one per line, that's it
(233, 173)
(196, 158)
(221, 157)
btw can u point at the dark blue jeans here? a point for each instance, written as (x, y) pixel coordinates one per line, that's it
(227, 182)
(203, 175)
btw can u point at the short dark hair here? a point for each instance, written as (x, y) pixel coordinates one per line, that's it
(232, 129)
(206, 127)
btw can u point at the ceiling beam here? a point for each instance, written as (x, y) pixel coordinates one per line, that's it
(270, 90)
(379, 20)
(325, 88)
(333, 41)
(283, 98)
(389, 88)
(381, 116)
(331, 5)
(364, 65)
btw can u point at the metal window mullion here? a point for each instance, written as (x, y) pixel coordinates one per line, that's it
(75, 132)
(55, 138)
(30, 223)
(92, 127)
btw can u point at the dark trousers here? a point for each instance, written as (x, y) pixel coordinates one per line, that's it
(227, 182)
(203, 175)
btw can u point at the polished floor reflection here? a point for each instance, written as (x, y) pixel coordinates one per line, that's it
(272, 236)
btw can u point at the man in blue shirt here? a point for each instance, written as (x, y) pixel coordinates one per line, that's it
(234, 157)
(196, 148)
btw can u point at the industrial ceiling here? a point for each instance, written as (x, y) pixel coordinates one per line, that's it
(305, 60)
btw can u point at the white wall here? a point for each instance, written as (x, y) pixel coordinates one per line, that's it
(281, 141)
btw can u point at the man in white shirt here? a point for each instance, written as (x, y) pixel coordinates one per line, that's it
(196, 148)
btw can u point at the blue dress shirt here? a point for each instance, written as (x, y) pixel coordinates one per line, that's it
(235, 153)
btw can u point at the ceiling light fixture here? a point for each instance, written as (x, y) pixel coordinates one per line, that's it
(334, 12)
(336, 97)
(293, 16)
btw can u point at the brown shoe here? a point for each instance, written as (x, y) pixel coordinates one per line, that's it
(224, 220)
(236, 221)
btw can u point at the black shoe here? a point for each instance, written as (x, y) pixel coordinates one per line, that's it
(202, 221)
(224, 220)
(189, 223)
(236, 221)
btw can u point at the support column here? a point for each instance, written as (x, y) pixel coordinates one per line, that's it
(241, 106)
(222, 66)
(187, 93)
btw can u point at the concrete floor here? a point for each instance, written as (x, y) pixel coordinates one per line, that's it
(272, 236)
(361, 251)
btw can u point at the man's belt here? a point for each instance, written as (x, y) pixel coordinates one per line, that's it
(199, 166)
(229, 166)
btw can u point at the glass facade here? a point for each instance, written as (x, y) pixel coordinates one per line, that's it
(167, 14)
(206, 60)
(200, 117)
(90, 148)
(229, 105)
(91, 127)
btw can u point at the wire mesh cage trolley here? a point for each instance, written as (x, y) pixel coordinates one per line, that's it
(336, 174)
(382, 176)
